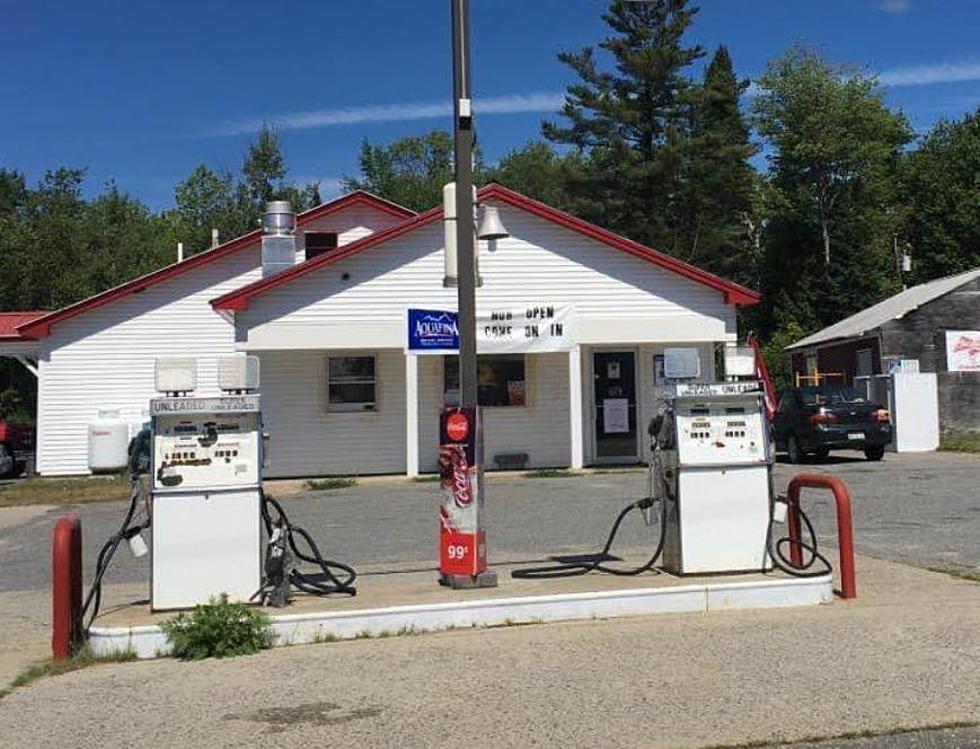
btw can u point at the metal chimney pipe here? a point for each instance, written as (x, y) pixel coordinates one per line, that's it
(278, 237)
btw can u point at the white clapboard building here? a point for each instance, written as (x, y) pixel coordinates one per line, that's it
(573, 322)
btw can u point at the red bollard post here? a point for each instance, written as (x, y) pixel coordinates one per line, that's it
(845, 526)
(794, 528)
(66, 584)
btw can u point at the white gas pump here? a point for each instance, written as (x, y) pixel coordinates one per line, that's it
(715, 465)
(206, 488)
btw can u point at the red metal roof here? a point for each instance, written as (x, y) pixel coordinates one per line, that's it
(40, 326)
(10, 321)
(734, 293)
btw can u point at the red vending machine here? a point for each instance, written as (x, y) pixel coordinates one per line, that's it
(462, 537)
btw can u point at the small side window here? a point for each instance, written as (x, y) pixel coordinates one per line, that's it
(351, 383)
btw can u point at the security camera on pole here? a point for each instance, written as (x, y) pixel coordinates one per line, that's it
(462, 539)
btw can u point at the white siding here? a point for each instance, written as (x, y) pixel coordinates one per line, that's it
(540, 262)
(540, 428)
(307, 440)
(104, 359)
(350, 225)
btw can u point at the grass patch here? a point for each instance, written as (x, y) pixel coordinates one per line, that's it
(426, 479)
(550, 473)
(82, 659)
(960, 442)
(847, 735)
(71, 491)
(959, 574)
(218, 629)
(335, 482)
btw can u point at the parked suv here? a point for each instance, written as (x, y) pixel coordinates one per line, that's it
(15, 440)
(816, 420)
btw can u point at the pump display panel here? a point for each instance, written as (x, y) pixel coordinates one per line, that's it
(721, 432)
(206, 448)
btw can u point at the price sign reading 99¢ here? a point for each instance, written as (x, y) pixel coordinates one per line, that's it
(462, 539)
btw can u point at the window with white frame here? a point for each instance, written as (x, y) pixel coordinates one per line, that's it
(351, 383)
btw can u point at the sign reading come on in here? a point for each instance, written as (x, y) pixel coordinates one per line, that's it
(534, 328)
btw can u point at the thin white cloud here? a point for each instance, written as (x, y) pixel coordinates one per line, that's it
(893, 6)
(304, 120)
(916, 75)
(925, 75)
(542, 101)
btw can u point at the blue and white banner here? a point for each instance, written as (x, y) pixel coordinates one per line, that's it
(534, 328)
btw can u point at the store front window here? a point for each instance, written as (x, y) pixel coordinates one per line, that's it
(501, 380)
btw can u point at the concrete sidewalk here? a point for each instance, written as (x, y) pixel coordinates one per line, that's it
(904, 654)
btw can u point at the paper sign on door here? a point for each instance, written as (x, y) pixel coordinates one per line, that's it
(615, 415)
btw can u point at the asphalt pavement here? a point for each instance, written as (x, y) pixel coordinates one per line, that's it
(922, 509)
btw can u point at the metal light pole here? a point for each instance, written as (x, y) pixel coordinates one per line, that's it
(462, 536)
(465, 245)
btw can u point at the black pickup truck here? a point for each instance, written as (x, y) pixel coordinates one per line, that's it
(816, 420)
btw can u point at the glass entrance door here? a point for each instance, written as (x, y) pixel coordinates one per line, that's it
(614, 405)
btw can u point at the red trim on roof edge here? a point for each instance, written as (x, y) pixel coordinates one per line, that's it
(734, 293)
(42, 325)
(10, 321)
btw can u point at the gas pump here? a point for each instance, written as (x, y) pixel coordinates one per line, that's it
(206, 493)
(710, 484)
(206, 505)
(715, 469)
(205, 486)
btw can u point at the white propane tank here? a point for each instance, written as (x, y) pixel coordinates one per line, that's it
(108, 443)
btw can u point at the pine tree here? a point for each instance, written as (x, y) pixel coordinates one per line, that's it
(264, 168)
(631, 125)
(721, 184)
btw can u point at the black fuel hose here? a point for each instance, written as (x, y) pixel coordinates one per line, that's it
(334, 577)
(812, 555)
(571, 569)
(126, 531)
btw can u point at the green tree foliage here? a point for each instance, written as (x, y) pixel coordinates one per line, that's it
(264, 169)
(209, 200)
(942, 195)
(721, 183)
(536, 170)
(57, 248)
(411, 171)
(632, 124)
(835, 149)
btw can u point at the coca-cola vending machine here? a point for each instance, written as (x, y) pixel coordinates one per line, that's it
(462, 537)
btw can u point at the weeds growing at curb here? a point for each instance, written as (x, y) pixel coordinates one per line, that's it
(219, 629)
(863, 734)
(960, 442)
(334, 482)
(82, 659)
(549, 473)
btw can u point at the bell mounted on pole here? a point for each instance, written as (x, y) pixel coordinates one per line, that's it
(491, 227)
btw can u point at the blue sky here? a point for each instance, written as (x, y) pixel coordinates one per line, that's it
(141, 92)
